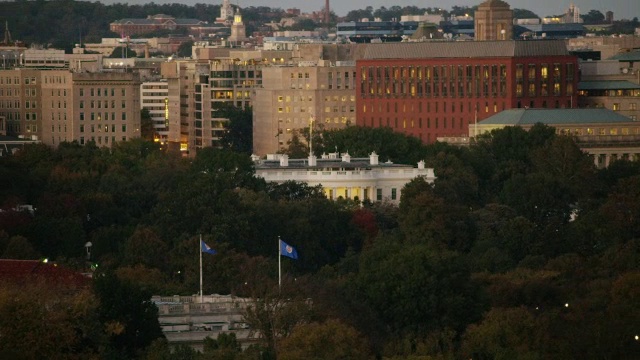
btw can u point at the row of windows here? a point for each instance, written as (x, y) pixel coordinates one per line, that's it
(98, 139)
(544, 89)
(437, 123)
(545, 71)
(93, 128)
(59, 92)
(453, 88)
(102, 92)
(617, 107)
(8, 80)
(429, 72)
(55, 80)
(10, 104)
(600, 131)
(61, 116)
(100, 104)
(10, 92)
(234, 74)
(295, 98)
(10, 116)
(98, 116)
(612, 93)
(342, 108)
(411, 107)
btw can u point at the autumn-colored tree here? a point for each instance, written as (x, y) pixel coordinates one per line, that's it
(44, 320)
(329, 340)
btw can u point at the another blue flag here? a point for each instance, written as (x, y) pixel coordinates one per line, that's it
(288, 250)
(205, 248)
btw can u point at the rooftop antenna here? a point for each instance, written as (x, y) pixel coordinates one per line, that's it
(7, 34)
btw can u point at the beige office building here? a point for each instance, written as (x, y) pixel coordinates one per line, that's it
(56, 105)
(292, 97)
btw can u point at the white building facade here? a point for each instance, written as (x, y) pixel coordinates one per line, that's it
(154, 96)
(344, 177)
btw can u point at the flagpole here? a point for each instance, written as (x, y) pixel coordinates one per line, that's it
(279, 264)
(200, 250)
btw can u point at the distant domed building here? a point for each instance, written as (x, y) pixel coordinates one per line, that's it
(494, 21)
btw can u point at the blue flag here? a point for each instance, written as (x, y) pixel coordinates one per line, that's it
(288, 250)
(205, 248)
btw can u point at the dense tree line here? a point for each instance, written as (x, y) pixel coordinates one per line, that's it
(521, 249)
(62, 23)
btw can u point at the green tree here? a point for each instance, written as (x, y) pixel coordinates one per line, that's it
(593, 17)
(294, 190)
(18, 247)
(147, 130)
(48, 320)
(415, 289)
(239, 129)
(184, 50)
(329, 340)
(524, 14)
(225, 347)
(123, 52)
(274, 316)
(509, 333)
(129, 317)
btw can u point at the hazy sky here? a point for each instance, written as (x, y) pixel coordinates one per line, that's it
(621, 8)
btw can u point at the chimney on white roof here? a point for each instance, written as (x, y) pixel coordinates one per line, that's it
(421, 164)
(373, 158)
(346, 158)
(284, 160)
(312, 160)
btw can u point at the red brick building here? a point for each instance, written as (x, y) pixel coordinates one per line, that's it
(133, 26)
(436, 89)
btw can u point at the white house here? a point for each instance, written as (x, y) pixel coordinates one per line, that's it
(343, 176)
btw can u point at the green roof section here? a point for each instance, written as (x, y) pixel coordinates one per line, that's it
(628, 56)
(525, 117)
(608, 85)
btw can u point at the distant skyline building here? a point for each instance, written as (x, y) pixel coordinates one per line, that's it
(493, 21)
(152, 23)
(226, 11)
(572, 15)
(238, 30)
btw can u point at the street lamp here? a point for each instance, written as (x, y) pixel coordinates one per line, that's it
(88, 246)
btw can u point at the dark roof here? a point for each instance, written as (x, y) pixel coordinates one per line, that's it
(519, 117)
(135, 21)
(628, 56)
(554, 27)
(494, 4)
(158, 21)
(23, 271)
(607, 85)
(355, 163)
(466, 49)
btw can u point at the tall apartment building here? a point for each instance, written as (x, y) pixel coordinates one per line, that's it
(154, 96)
(436, 89)
(198, 90)
(56, 105)
(291, 97)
